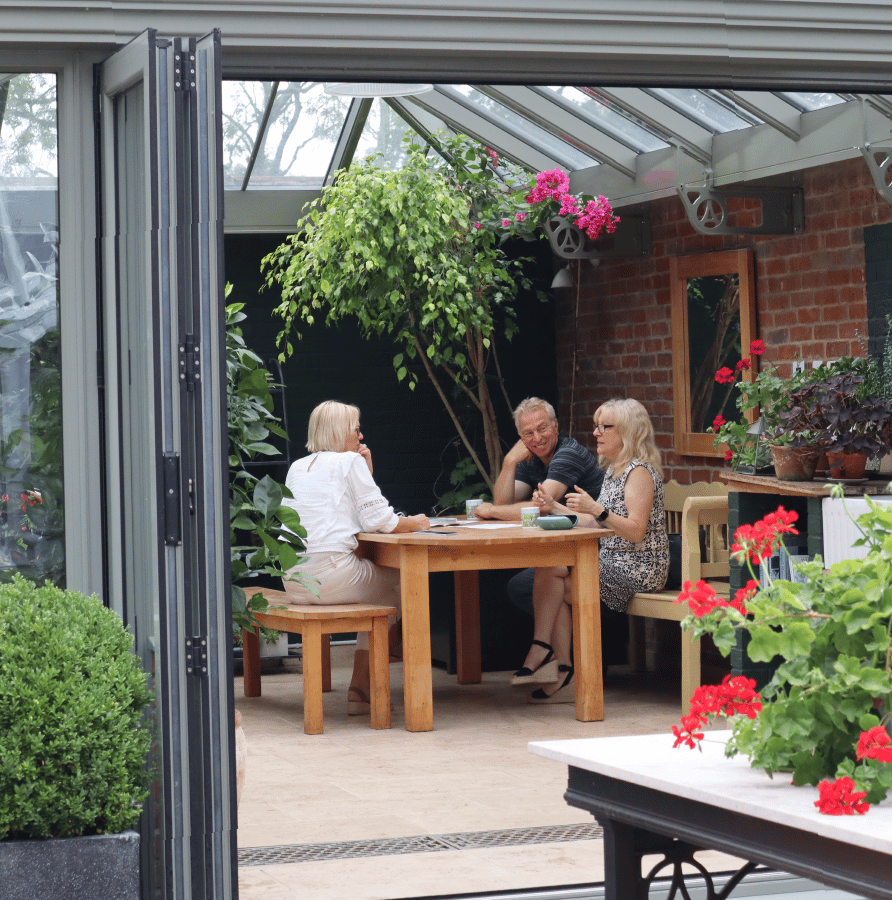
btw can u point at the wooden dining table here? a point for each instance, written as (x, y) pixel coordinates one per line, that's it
(465, 550)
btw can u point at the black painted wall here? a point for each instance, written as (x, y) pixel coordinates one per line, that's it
(878, 281)
(409, 432)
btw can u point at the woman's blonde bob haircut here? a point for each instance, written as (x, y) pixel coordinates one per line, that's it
(634, 426)
(330, 424)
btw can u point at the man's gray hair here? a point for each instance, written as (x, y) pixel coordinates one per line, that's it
(531, 404)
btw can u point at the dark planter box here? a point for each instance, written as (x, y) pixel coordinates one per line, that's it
(99, 867)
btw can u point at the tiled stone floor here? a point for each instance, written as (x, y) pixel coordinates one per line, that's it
(471, 773)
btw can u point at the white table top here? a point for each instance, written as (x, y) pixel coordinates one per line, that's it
(710, 777)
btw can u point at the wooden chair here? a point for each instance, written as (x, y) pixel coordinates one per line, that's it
(699, 512)
(316, 624)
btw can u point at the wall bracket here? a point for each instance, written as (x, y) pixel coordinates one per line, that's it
(707, 208)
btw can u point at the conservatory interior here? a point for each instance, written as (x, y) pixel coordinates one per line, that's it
(789, 191)
(769, 180)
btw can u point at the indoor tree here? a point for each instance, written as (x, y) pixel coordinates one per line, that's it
(416, 253)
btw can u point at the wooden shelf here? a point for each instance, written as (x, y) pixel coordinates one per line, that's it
(768, 484)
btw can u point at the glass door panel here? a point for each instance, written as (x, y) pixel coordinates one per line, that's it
(32, 526)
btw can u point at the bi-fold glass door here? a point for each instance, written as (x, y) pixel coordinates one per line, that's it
(164, 417)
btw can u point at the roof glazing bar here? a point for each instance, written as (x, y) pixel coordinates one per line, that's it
(463, 116)
(665, 122)
(261, 132)
(351, 132)
(770, 108)
(565, 122)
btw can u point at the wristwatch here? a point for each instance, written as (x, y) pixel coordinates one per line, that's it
(602, 516)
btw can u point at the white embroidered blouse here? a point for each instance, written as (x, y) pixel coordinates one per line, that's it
(336, 498)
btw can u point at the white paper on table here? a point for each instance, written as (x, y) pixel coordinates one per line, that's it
(494, 525)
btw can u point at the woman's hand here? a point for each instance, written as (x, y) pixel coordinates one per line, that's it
(581, 502)
(411, 523)
(546, 503)
(366, 454)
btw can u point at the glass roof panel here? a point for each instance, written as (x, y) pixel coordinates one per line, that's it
(561, 149)
(383, 133)
(699, 107)
(806, 102)
(302, 125)
(612, 121)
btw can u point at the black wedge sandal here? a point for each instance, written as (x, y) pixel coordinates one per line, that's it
(546, 673)
(566, 693)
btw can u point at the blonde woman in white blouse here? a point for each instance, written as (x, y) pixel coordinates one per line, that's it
(336, 497)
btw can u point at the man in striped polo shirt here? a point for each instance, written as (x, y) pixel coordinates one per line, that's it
(545, 455)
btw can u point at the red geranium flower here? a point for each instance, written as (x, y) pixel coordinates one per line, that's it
(839, 798)
(875, 744)
(757, 348)
(724, 376)
(742, 365)
(718, 421)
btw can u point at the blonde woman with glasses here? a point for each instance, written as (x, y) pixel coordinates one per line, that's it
(635, 558)
(336, 497)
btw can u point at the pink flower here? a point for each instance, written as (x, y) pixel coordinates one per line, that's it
(875, 744)
(839, 798)
(569, 206)
(597, 217)
(477, 225)
(493, 156)
(551, 185)
(506, 223)
(521, 216)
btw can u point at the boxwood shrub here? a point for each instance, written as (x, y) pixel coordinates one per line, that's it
(73, 735)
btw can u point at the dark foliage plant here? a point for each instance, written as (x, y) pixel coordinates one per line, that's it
(837, 411)
(73, 733)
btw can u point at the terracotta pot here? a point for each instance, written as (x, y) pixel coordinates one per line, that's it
(794, 464)
(847, 465)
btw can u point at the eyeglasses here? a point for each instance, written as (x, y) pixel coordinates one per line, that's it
(542, 429)
(600, 429)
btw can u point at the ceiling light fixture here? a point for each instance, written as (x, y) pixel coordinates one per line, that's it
(355, 89)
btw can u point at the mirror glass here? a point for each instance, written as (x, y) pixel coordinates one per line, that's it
(713, 319)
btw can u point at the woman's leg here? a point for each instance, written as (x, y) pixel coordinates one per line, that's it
(548, 598)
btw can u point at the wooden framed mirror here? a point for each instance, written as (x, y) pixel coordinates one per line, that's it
(713, 323)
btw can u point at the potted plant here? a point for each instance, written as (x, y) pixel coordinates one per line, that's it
(761, 399)
(825, 715)
(74, 737)
(266, 537)
(838, 410)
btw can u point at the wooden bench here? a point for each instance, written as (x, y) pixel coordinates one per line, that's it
(316, 624)
(699, 512)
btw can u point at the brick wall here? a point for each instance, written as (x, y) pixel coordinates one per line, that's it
(810, 297)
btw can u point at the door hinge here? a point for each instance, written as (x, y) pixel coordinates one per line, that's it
(197, 655)
(184, 71)
(190, 363)
(172, 528)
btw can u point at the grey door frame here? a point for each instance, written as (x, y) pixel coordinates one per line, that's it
(166, 467)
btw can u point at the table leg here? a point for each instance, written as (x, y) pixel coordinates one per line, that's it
(251, 661)
(467, 627)
(417, 682)
(587, 634)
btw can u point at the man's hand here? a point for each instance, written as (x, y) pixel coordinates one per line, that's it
(485, 511)
(516, 455)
